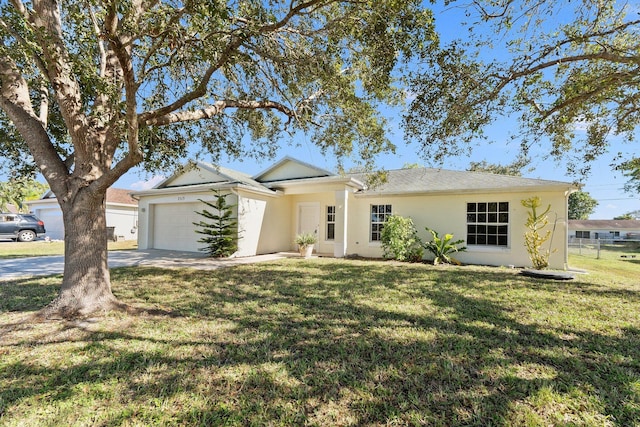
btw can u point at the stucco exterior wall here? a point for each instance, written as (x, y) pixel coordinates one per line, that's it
(125, 221)
(447, 214)
(263, 223)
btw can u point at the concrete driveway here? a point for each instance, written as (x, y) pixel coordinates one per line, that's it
(47, 265)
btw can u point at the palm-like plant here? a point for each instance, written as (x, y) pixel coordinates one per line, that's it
(443, 247)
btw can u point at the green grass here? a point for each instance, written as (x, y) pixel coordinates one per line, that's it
(331, 342)
(42, 248)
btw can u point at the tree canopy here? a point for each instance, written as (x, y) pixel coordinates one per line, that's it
(581, 205)
(225, 69)
(566, 71)
(513, 169)
(635, 215)
(17, 191)
(90, 89)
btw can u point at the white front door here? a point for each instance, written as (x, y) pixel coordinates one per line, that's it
(309, 218)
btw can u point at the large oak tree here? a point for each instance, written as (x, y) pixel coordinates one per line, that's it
(90, 89)
(568, 72)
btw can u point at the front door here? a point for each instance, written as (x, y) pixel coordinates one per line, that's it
(309, 218)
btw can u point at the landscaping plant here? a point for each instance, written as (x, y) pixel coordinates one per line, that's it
(533, 239)
(400, 239)
(306, 239)
(220, 235)
(442, 248)
(305, 242)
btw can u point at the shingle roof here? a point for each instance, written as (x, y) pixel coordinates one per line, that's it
(604, 224)
(428, 180)
(114, 195)
(120, 195)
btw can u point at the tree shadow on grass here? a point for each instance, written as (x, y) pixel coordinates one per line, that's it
(28, 294)
(337, 343)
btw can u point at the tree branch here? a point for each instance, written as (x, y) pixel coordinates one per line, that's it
(217, 108)
(15, 101)
(148, 117)
(44, 104)
(47, 21)
(130, 85)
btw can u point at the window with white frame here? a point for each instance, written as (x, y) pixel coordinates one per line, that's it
(583, 234)
(379, 214)
(488, 223)
(331, 223)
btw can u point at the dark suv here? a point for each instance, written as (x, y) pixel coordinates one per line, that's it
(21, 227)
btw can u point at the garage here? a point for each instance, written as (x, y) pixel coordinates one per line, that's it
(52, 218)
(173, 227)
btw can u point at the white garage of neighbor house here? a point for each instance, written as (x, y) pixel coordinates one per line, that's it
(292, 197)
(122, 214)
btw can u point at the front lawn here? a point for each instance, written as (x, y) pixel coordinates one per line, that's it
(331, 342)
(9, 249)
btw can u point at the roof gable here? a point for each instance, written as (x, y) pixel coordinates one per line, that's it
(288, 169)
(194, 173)
(201, 173)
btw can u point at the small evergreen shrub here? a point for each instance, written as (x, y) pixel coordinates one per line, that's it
(221, 233)
(400, 240)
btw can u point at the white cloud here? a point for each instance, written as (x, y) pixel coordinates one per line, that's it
(146, 185)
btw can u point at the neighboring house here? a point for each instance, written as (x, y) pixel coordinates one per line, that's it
(292, 197)
(122, 214)
(604, 229)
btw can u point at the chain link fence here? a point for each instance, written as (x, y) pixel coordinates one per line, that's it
(605, 248)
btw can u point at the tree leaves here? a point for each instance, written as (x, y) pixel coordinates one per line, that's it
(321, 61)
(568, 72)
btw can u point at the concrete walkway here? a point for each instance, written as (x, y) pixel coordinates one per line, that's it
(47, 265)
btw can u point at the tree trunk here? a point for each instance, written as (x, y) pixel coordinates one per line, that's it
(86, 286)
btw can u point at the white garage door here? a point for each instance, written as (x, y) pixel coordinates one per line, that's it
(173, 226)
(52, 219)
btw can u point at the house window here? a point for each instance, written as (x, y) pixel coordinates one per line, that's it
(379, 214)
(583, 234)
(615, 233)
(488, 223)
(331, 223)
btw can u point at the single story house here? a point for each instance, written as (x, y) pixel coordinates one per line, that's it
(292, 197)
(122, 214)
(604, 229)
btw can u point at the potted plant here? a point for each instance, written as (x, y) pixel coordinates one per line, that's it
(305, 242)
